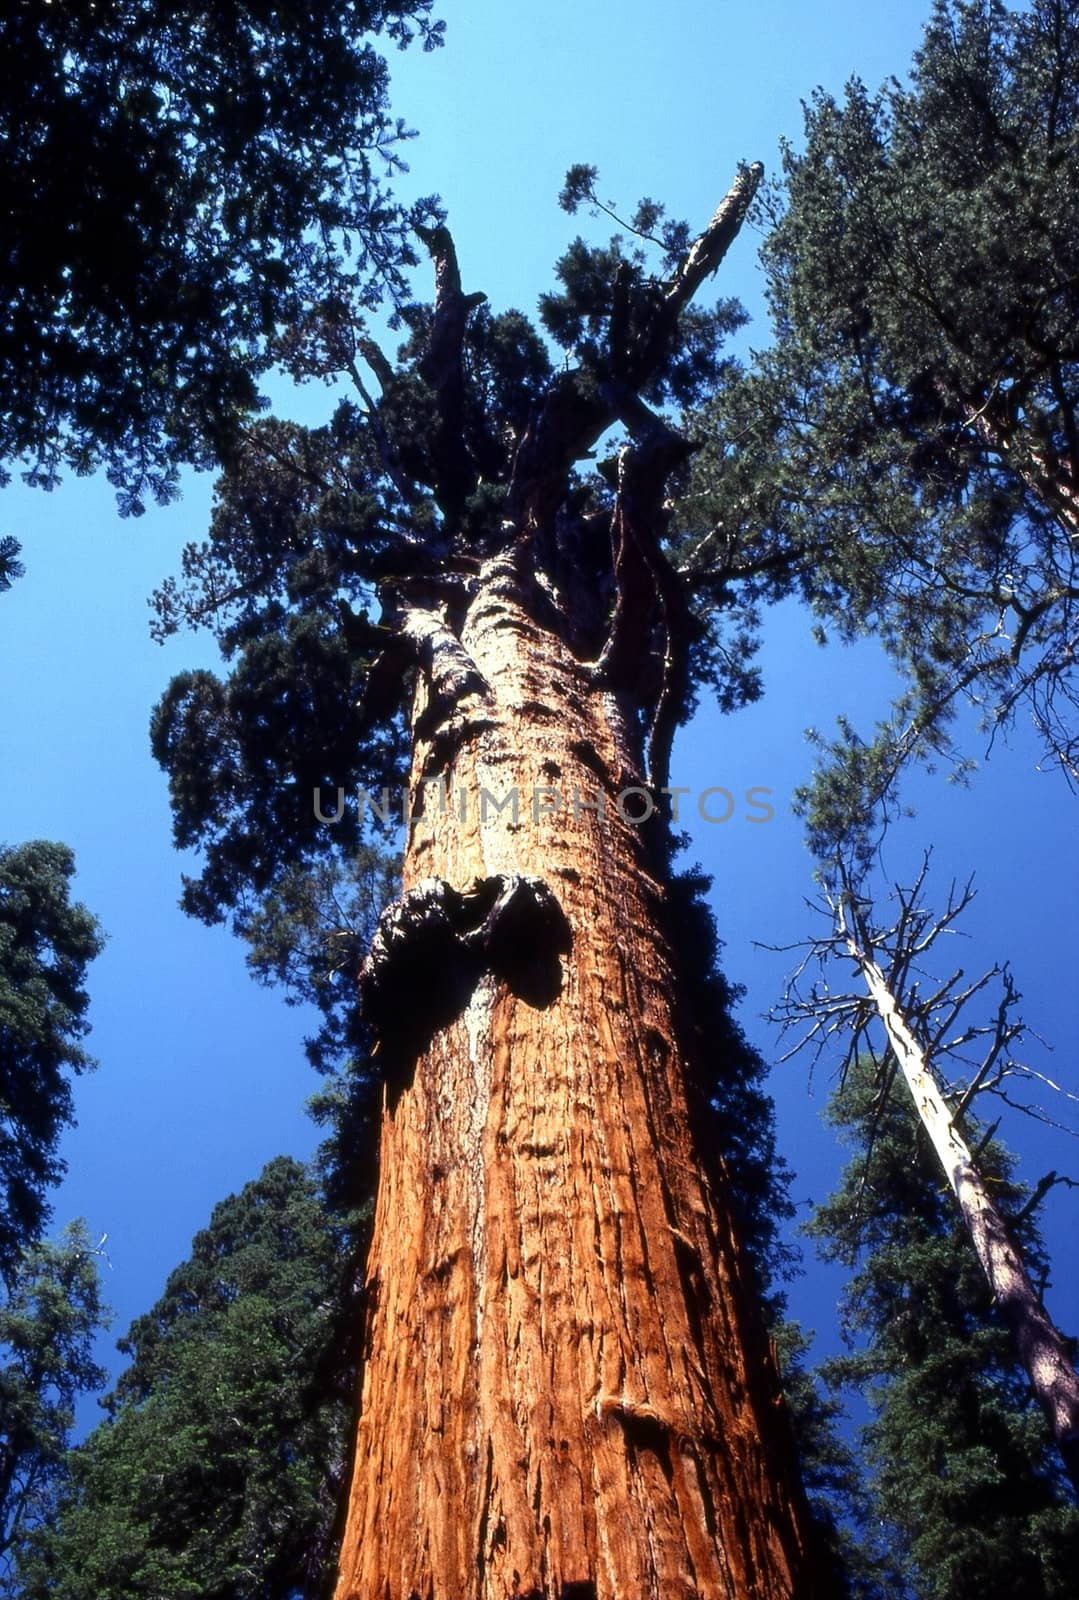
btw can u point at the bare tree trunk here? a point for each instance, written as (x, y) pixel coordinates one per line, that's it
(567, 1389)
(1039, 1344)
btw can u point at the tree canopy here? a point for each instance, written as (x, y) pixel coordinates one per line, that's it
(181, 182)
(218, 1470)
(50, 1316)
(413, 482)
(46, 944)
(904, 456)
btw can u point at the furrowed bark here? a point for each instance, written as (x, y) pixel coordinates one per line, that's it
(1039, 1344)
(567, 1391)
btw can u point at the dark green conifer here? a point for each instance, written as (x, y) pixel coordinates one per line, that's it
(46, 943)
(181, 182)
(965, 1481)
(218, 1470)
(906, 455)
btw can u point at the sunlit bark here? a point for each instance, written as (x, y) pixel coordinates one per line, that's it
(567, 1391)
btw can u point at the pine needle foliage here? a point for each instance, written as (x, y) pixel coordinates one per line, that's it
(904, 455)
(964, 1479)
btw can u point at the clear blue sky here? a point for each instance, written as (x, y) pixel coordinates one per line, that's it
(202, 1078)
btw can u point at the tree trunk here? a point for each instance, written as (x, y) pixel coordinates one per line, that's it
(568, 1391)
(1038, 1342)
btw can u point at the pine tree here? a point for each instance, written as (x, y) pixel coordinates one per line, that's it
(904, 456)
(964, 1475)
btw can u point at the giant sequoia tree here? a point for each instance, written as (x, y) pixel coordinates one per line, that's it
(567, 1386)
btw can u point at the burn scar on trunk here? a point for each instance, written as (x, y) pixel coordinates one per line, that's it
(432, 947)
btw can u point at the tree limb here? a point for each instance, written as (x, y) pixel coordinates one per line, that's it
(442, 367)
(573, 415)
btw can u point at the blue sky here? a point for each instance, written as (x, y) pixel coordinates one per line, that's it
(202, 1077)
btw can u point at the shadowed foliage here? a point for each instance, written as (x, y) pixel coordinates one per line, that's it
(965, 1480)
(180, 183)
(46, 944)
(218, 1470)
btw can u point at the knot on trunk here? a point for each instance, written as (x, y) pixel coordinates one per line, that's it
(432, 947)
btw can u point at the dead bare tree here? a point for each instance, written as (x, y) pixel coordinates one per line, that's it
(948, 1053)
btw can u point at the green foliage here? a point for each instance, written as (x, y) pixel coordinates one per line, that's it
(10, 565)
(218, 1470)
(283, 725)
(854, 1555)
(733, 1114)
(181, 181)
(851, 797)
(649, 221)
(734, 1124)
(50, 1316)
(309, 936)
(905, 456)
(613, 283)
(46, 943)
(965, 1480)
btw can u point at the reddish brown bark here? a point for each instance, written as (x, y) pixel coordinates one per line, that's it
(567, 1391)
